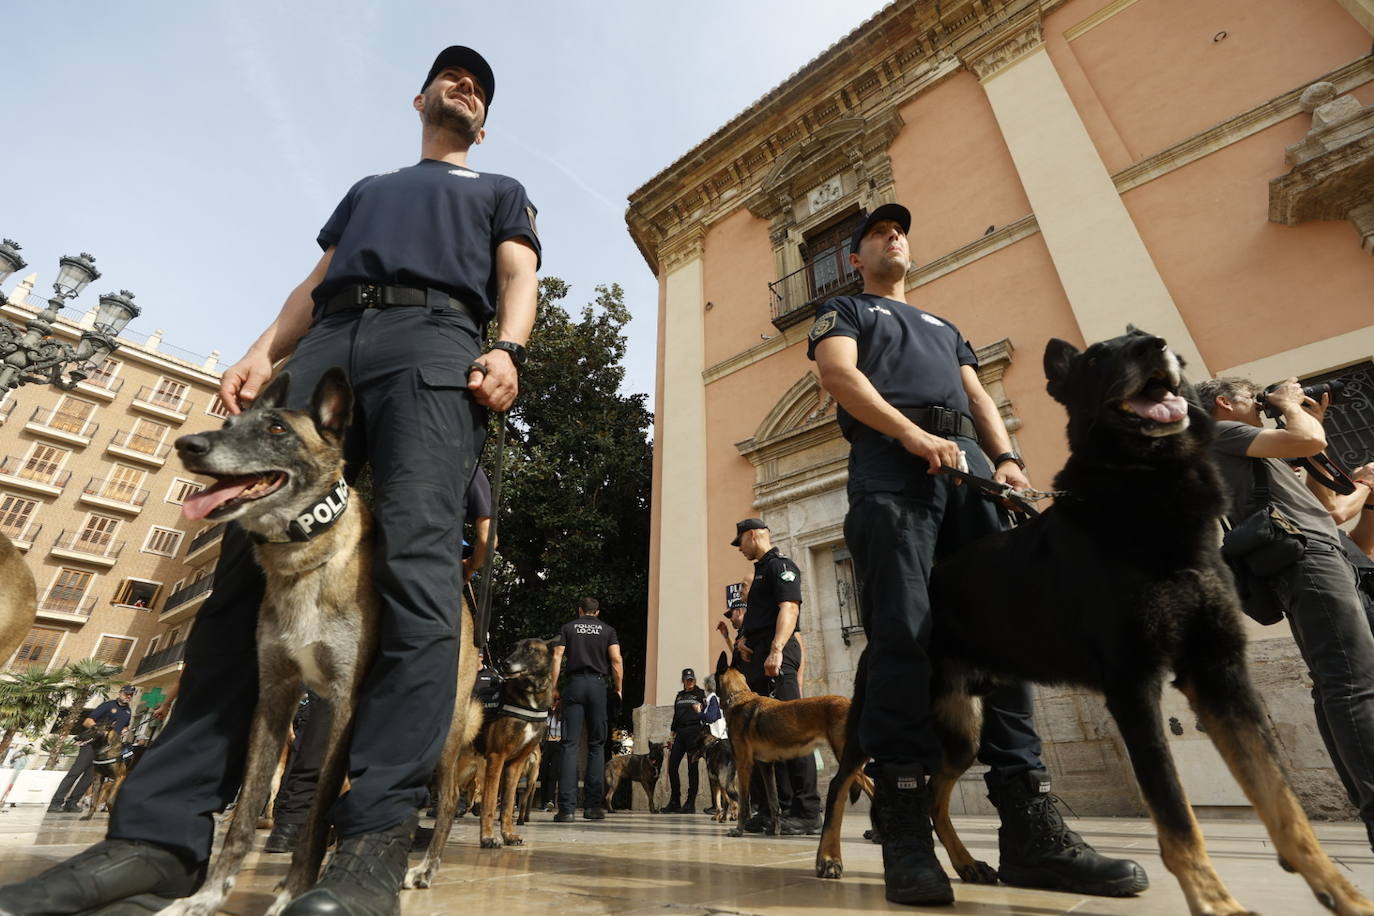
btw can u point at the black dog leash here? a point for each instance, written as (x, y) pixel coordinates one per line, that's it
(484, 602)
(1020, 500)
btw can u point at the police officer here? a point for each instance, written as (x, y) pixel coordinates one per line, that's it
(773, 656)
(592, 650)
(688, 731)
(78, 779)
(416, 262)
(909, 402)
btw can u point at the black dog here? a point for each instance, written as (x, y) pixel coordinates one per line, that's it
(1118, 583)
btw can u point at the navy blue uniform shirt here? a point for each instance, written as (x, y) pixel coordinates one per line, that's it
(912, 358)
(776, 579)
(432, 224)
(586, 645)
(113, 710)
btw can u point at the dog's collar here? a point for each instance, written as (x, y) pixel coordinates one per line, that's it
(523, 713)
(313, 521)
(101, 763)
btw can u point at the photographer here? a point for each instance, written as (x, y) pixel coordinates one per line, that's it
(1317, 592)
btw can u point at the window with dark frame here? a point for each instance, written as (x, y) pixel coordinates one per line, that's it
(847, 594)
(826, 255)
(1350, 421)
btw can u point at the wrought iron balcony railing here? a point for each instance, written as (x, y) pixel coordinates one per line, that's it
(793, 298)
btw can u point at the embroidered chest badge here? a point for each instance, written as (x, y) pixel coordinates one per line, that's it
(931, 319)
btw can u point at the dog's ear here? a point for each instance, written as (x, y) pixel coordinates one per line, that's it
(331, 406)
(721, 664)
(1132, 329)
(554, 643)
(1059, 355)
(274, 395)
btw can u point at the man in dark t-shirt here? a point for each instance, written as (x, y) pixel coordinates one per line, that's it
(589, 651)
(1320, 592)
(416, 262)
(910, 402)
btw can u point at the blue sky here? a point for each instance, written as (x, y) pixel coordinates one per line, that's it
(196, 148)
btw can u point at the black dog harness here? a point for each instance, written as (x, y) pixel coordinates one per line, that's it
(316, 520)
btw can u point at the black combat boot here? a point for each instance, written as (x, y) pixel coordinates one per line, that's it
(1037, 849)
(108, 872)
(283, 837)
(363, 878)
(911, 871)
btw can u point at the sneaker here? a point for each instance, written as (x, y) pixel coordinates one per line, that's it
(911, 872)
(800, 826)
(1037, 849)
(283, 837)
(563, 817)
(712, 811)
(594, 814)
(73, 806)
(688, 808)
(673, 807)
(54, 807)
(104, 874)
(364, 876)
(759, 823)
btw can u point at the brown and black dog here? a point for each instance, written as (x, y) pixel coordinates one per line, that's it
(765, 730)
(1118, 584)
(720, 774)
(110, 766)
(641, 768)
(496, 755)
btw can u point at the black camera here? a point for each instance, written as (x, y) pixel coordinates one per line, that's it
(1334, 388)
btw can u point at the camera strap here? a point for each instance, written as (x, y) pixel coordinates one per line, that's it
(1328, 472)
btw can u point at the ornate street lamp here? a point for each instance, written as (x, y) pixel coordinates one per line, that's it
(34, 355)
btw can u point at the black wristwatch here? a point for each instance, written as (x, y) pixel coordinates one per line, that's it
(517, 352)
(1008, 456)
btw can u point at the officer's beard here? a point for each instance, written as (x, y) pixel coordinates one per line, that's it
(448, 115)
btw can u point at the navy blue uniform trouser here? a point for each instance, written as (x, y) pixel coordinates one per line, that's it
(297, 791)
(584, 705)
(895, 539)
(1320, 595)
(79, 777)
(685, 741)
(421, 431)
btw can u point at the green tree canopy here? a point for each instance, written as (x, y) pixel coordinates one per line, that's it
(28, 699)
(79, 681)
(574, 519)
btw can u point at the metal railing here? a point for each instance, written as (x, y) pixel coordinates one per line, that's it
(39, 471)
(794, 298)
(80, 542)
(112, 385)
(188, 593)
(115, 491)
(62, 604)
(148, 394)
(145, 445)
(7, 408)
(208, 536)
(161, 658)
(25, 534)
(65, 422)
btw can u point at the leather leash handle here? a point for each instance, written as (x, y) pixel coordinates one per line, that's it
(484, 599)
(1000, 491)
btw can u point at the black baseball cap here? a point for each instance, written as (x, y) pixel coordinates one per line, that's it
(895, 212)
(749, 524)
(469, 60)
(130, 689)
(688, 673)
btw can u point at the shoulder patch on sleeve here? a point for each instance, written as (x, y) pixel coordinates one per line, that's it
(788, 575)
(822, 325)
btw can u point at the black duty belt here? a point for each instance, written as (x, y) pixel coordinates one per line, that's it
(942, 421)
(376, 296)
(586, 674)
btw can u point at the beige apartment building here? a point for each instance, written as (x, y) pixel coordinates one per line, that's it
(91, 491)
(1202, 169)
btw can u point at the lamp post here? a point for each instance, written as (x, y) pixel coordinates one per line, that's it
(33, 355)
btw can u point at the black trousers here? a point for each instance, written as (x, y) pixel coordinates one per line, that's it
(78, 778)
(895, 539)
(1321, 598)
(794, 779)
(420, 431)
(302, 777)
(550, 767)
(584, 706)
(685, 741)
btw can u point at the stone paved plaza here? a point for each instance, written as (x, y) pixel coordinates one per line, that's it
(637, 863)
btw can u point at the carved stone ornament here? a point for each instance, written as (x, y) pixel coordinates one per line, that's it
(1333, 166)
(1003, 44)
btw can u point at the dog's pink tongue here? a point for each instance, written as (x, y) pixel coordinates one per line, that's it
(208, 500)
(1170, 410)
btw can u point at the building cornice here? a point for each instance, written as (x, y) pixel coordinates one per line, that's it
(896, 54)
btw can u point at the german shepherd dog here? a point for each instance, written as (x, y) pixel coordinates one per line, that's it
(765, 730)
(720, 774)
(498, 751)
(319, 618)
(110, 766)
(1126, 583)
(641, 768)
